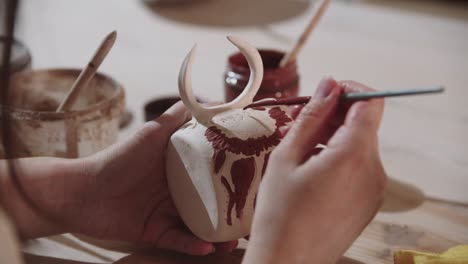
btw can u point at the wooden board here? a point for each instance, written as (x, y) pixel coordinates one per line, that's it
(407, 220)
(375, 245)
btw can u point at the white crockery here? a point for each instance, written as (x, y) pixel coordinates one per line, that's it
(215, 161)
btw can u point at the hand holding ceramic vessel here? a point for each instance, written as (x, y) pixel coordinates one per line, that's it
(313, 204)
(127, 196)
(120, 193)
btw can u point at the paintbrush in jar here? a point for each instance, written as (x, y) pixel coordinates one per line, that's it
(291, 56)
(88, 72)
(353, 96)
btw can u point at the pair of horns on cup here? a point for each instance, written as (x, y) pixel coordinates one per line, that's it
(204, 113)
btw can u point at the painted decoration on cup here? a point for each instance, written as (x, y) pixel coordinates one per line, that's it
(216, 160)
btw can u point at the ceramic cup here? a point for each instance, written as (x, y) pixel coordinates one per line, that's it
(35, 128)
(215, 161)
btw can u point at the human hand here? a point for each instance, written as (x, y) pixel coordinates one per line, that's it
(313, 204)
(128, 198)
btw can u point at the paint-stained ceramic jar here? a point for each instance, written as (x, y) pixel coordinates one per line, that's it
(36, 129)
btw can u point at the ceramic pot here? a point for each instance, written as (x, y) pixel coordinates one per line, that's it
(215, 161)
(36, 129)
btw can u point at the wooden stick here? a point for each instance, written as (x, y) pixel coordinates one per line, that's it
(88, 72)
(291, 56)
(355, 96)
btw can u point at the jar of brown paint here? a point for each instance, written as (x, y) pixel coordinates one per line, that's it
(278, 82)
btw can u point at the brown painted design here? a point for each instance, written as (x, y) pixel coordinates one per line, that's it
(265, 163)
(219, 157)
(248, 146)
(284, 101)
(280, 117)
(243, 170)
(242, 173)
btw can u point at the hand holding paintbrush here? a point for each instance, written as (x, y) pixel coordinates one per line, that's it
(354, 96)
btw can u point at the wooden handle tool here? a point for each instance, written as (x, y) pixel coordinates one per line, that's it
(291, 56)
(88, 72)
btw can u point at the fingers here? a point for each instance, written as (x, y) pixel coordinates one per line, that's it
(184, 242)
(226, 247)
(353, 86)
(359, 130)
(171, 120)
(306, 132)
(376, 106)
(295, 110)
(343, 108)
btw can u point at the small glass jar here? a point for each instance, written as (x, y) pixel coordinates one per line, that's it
(277, 82)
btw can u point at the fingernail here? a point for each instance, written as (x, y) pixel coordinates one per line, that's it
(325, 87)
(283, 130)
(295, 110)
(358, 111)
(346, 87)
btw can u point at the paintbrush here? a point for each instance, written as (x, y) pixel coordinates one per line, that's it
(291, 56)
(353, 96)
(88, 72)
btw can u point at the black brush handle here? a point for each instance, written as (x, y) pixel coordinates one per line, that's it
(379, 94)
(349, 96)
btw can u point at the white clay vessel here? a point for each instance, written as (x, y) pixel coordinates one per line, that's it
(215, 161)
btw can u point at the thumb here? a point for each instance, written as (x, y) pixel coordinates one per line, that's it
(360, 127)
(171, 120)
(306, 132)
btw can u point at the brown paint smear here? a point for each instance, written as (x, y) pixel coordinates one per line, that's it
(242, 173)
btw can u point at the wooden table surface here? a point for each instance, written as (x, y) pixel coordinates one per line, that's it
(385, 44)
